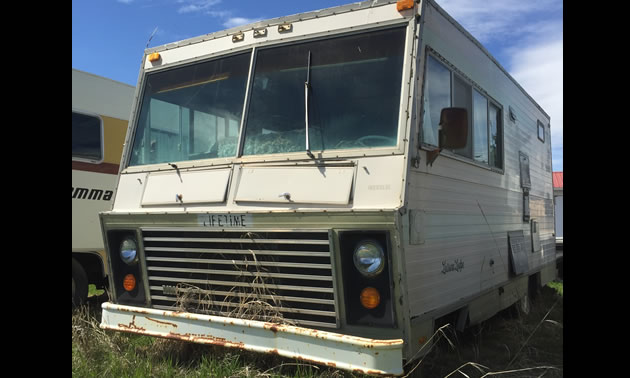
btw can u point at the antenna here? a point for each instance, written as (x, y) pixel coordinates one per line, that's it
(151, 37)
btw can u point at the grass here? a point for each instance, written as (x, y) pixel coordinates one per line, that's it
(507, 345)
(93, 292)
(99, 353)
(557, 286)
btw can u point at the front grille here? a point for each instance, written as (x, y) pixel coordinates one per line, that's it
(275, 276)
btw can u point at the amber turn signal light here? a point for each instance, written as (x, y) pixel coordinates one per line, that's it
(129, 283)
(154, 57)
(404, 4)
(370, 298)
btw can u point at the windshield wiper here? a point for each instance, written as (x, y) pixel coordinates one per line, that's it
(307, 85)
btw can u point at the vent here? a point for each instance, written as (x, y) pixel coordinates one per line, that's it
(274, 276)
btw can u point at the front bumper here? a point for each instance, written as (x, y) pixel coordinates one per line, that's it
(369, 356)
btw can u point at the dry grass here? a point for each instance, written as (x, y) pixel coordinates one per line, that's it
(508, 345)
(255, 301)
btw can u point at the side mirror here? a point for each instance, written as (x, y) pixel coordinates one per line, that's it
(452, 132)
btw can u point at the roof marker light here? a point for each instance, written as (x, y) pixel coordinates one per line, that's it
(154, 57)
(404, 4)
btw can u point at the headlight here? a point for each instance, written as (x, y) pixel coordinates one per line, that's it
(129, 251)
(369, 258)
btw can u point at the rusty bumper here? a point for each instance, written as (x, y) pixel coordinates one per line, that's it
(378, 357)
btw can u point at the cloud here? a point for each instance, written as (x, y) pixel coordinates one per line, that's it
(125, 1)
(208, 7)
(493, 20)
(539, 70)
(238, 21)
(193, 6)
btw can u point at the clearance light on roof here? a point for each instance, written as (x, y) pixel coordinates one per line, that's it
(404, 4)
(240, 36)
(154, 57)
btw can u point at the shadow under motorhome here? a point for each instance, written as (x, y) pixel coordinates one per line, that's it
(326, 186)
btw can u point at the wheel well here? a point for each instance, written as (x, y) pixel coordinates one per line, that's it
(93, 266)
(534, 285)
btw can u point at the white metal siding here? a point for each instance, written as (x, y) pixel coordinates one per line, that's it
(454, 195)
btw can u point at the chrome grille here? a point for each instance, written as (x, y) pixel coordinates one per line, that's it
(284, 276)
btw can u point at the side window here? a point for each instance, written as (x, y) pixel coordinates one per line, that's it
(480, 127)
(495, 126)
(541, 132)
(445, 88)
(86, 137)
(462, 98)
(437, 95)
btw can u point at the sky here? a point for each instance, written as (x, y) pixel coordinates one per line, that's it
(526, 37)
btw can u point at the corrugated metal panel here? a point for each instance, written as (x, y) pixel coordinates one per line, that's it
(468, 210)
(558, 180)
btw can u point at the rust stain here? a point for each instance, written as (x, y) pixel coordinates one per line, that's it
(205, 339)
(372, 372)
(132, 325)
(273, 327)
(162, 322)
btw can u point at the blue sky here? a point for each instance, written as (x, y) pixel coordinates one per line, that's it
(109, 37)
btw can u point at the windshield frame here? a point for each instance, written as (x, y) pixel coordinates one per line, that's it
(404, 109)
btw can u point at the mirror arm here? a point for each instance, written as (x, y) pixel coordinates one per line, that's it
(432, 155)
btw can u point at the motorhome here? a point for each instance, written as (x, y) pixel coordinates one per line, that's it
(329, 186)
(100, 114)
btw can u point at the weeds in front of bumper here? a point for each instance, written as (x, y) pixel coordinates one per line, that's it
(101, 353)
(255, 300)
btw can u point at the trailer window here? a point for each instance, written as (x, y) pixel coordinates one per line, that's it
(353, 99)
(191, 113)
(444, 88)
(86, 137)
(480, 125)
(541, 131)
(462, 98)
(437, 95)
(496, 136)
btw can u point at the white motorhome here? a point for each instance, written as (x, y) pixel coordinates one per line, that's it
(327, 186)
(100, 114)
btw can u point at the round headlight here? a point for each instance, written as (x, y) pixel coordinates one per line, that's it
(129, 251)
(369, 258)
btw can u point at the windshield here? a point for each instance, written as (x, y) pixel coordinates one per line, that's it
(353, 94)
(191, 113)
(351, 100)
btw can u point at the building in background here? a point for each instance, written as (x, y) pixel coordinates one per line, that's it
(558, 187)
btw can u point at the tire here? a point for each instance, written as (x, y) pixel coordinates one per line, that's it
(79, 284)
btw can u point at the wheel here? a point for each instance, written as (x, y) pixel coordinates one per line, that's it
(79, 284)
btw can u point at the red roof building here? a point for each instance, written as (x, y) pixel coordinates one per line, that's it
(557, 180)
(558, 200)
